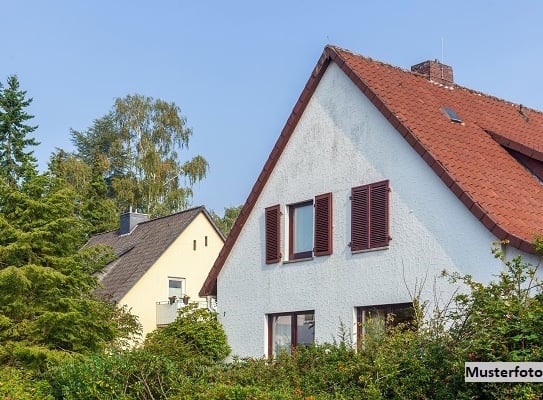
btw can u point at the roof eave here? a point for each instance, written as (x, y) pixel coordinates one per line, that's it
(210, 285)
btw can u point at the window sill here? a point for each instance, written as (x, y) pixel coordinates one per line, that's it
(297, 260)
(370, 250)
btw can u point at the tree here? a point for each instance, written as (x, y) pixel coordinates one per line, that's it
(95, 205)
(140, 139)
(47, 306)
(227, 221)
(15, 162)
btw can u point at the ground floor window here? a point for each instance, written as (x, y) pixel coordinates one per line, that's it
(377, 319)
(286, 331)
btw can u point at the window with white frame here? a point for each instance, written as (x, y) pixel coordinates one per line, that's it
(176, 287)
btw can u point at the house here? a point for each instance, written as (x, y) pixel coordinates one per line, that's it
(159, 263)
(380, 179)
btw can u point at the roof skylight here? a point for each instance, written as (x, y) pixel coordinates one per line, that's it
(452, 114)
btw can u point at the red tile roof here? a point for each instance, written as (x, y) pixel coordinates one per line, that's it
(469, 157)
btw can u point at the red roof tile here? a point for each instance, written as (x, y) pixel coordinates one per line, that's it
(469, 157)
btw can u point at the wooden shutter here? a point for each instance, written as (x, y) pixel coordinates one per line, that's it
(360, 200)
(370, 216)
(323, 225)
(273, 234)
(379, 215)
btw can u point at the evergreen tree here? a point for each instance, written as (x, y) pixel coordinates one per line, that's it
(47, 306)
(16, 162)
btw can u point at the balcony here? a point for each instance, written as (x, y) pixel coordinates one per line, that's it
(166, 311)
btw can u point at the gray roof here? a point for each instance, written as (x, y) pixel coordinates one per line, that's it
(137, 252)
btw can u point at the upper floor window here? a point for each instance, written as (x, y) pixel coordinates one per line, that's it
(370, 216)
(309, 229)
(301, 230)
(286, 331)
(176, 287)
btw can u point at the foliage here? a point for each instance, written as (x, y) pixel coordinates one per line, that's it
(196, 333)
(175, 360)
(136, 374)
(47, 306)
(19, 384)
(87, 181)
(226, 222)
(501, 321)
(138, 142)
(15, 162)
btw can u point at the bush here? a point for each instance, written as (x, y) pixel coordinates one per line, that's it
(124, 375)
(196, 334)
(19, 384)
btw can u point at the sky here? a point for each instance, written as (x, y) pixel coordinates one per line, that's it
(236, 68)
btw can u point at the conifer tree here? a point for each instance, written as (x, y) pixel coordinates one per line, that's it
(16, 161)
(47, 305)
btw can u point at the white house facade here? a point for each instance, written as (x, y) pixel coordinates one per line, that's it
(350, 218)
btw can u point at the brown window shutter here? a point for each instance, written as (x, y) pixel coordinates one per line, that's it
(360, 200)
(323, 225)
(370, 216)
(273, 234)
(379, 236)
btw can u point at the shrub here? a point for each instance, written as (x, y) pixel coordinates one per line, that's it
(196, 333)
(20, 384)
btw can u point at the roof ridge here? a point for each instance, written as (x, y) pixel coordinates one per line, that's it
(454, 84)
(172, 214)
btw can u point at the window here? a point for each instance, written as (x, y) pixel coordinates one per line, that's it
(370, 216)
(452, 114)
(309, 229)
(377, 319)
(286, 331)
(176, 287)
(301, 230)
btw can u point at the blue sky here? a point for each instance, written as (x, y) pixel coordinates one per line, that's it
(237, 68)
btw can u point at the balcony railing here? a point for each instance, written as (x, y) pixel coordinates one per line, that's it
(166, 311)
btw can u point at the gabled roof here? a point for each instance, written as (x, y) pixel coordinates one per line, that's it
(138, 251)
(470, 157)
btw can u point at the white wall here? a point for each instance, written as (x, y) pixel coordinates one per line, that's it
(342, 141)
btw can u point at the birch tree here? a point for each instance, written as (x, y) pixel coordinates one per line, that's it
(141, 138)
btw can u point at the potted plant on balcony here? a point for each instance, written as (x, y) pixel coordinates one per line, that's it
(186, 299)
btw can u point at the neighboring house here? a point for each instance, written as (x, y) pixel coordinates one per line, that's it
(157, 260)
(380, 179)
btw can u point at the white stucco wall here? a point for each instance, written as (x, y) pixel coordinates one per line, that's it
(179, 260)
(342, 141)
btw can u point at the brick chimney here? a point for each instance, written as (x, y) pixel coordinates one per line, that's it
(129, 221)
(435, 72)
